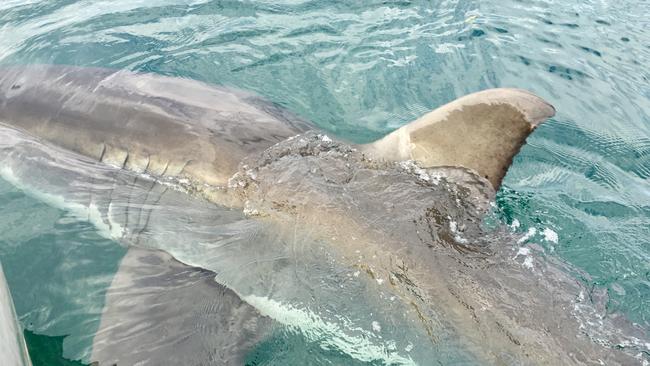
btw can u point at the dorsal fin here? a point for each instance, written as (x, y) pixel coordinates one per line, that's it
(481, 131)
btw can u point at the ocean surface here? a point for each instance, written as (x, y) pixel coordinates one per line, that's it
(580, 188)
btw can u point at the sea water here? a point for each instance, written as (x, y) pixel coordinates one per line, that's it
(580, 188)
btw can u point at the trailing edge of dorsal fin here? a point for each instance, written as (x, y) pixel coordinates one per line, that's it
(481, 131)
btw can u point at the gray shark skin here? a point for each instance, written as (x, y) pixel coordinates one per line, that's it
(156, 302)
(259, 261)
(144, 123)
(376, 251)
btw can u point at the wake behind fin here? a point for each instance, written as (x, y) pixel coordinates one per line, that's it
(481, 131)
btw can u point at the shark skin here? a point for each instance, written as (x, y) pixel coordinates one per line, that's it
(166, 127)
(375, 250)
(164, 312)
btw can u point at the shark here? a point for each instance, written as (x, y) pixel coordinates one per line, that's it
(245, 221)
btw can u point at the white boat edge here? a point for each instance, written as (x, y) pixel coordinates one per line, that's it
(12, 343)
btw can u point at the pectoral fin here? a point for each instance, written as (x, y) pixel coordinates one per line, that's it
(481, 131)
(161, 312)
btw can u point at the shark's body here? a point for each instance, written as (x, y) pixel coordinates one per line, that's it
(324, 225)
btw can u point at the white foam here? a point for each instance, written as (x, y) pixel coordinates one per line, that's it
(515, 224)
(329, 334)
(448, 47)
(453, 226)
(550, 235)
(376, 327)
(531, 232)
(412, 167)
(528, 259)
(117, 230)
(528, 263)
(523, 252)
(249, 210)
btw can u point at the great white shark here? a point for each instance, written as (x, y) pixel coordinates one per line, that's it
(374, 250)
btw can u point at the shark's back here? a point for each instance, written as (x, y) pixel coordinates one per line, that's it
(147, 123)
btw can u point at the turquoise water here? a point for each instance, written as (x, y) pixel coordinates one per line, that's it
(358, 70)
(58, 269)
